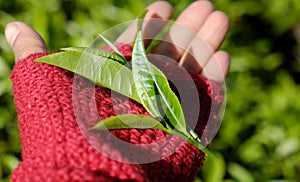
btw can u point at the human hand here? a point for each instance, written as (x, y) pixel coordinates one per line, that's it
(70, 154)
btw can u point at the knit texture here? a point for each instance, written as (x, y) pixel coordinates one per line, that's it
(55, 149)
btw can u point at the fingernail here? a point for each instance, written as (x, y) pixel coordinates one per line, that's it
(11, 33)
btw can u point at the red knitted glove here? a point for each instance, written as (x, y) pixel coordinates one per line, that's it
(55, 149)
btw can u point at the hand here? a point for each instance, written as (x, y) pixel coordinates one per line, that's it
(199, 18)
(52, 143)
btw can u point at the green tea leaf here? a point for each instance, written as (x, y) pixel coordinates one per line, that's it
(103, 71)
(130, 121)
(159, 37)
(144, 82)
(99, 52)
(111, 45)
(127, 121)
(150, 81)
(141, 20)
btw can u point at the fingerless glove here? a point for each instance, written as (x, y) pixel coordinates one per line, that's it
(54, 147)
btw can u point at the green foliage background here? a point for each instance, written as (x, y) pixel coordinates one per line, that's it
(259, 139)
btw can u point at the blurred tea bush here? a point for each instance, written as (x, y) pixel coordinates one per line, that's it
(259, 139)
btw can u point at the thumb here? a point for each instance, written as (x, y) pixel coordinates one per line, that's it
(23, 40)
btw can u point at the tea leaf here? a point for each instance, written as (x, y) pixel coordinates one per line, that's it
(140, 20)
(103, 71)
(111, 45)
(129, 121)
(144, 82)
(99, 52)
(150, 81)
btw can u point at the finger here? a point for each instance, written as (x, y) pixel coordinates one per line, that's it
(157, 16)
(23, 40)
(214, 29)
(184, 29)
(208, 40)
(217, 67)
(196, 55)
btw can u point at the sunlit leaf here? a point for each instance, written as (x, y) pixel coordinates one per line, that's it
(111, 45)
(130, 121)
(103, 71)
(99, 52)
(143, 78)
(127, 121)
(152, 85)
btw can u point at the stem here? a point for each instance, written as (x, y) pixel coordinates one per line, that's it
(194, 134)
(187, 137)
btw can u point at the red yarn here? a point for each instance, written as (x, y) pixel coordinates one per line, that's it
(54, 148)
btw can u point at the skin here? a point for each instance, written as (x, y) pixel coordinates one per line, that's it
(207, 29)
